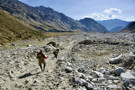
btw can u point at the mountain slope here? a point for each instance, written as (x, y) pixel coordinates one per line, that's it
(130, 27)
(113, 23)
(92, 25)
(116, 29)
(12, 29)
(41, 18)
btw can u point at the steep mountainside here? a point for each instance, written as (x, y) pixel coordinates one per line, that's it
(130, 27)
(13, 29)
(113, 23)
(42, 18)
(92, 25)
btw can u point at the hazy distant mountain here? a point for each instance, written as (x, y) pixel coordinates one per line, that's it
(92, 25)
(116, 29)
(114, 24)
(130, 27)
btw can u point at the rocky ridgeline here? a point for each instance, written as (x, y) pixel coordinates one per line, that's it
(93, 61)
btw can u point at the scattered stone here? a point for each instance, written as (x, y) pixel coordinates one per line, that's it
(75, 79)
(68, 69)
(12, 44)
(98, 74)
(52, 43)
(116, 81)
(119, 70)
(115, 60)
(82, 70)
(49, 48)
(102, 70)
(29, 45)
(85, 42)
(88, 77)
(89, 86)
(127, 79)
(109, 82)
(82, 82)
(114, 87)
(110, 77)
(127, 75)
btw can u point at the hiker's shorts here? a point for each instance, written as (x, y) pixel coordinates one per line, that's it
(40, 61)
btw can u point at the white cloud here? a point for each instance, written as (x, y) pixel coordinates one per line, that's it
(113, 11)
(96, 16)
(131, 18)
(99, 16)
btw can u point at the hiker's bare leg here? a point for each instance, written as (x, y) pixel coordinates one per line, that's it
(44, 65)
(40, 65)
(55, 55)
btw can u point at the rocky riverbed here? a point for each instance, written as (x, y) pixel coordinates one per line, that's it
(92, 61)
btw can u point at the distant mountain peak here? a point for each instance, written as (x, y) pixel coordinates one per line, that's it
(113, 24)
(92, 25)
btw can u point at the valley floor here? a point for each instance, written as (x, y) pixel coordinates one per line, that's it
(92, 61)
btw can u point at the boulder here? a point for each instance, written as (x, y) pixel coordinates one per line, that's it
(119, 70)
(49, 48)
(82, 70)
(102, 70)
(68, 69)
(115, 60)
(82, 82)
(52, 43)
(128, 79)
(131, 61)
(89, 86)
(127, 75)
(75, 79)
(85, 42)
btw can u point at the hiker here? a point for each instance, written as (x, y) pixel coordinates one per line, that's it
(41, 57)
(56, 53)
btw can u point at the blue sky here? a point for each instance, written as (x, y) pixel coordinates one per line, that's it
(96, 9)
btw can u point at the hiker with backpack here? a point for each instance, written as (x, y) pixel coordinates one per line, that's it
(41, 57)
(56, 53)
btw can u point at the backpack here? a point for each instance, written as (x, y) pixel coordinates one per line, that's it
(39, 56)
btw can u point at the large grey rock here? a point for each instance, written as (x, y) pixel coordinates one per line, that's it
(82, 82)
(115, 60)
(49, 48)
(89, 86)
(127, 75)
(75, 79)
(128, 79)
(119, 70)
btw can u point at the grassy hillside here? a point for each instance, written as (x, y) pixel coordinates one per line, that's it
(12, 29)
(130, 27)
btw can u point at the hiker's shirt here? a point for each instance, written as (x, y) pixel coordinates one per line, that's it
(41, 56)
